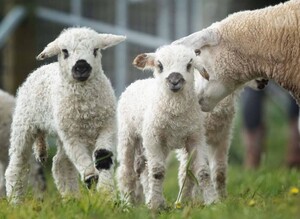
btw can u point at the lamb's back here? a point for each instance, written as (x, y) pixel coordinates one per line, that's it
(34, 96)
(135, 100)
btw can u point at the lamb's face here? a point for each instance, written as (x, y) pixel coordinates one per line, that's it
(79, 57)
(78, 51)
(172, 65)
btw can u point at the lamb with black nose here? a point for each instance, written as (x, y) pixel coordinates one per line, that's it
(75, 101)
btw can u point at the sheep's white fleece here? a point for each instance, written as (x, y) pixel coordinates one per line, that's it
(247, 45)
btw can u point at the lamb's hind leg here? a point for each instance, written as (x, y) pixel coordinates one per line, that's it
(218, 138)
(37, 178)
(218, 166)
(64, 173)
(17, 172)
(142, 184)
(40, 147)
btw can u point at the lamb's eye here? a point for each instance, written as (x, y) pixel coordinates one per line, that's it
(95, 51)
(160, 67)
(197, 51)
(189, 65)
(65, 52)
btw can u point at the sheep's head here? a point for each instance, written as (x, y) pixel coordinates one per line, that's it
(200, 41)
(207, 43)
(173, 65)
(78, 51)
(213, 65)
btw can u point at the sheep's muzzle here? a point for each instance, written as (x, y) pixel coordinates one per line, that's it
(81, 70)
(175, 81)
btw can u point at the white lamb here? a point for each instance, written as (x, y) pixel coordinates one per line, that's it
(73, 100)
(247, 45)
(218, 127)
(161, 114)
(37, 177)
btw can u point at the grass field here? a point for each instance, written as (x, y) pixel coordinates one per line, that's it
(269, 192)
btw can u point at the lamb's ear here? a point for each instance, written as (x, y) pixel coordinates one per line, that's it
(109, 40)
(144, 61)
(207, 37)
(51, 49)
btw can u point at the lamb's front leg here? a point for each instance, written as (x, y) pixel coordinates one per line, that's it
(156, 166)
(81, 157)
(64, 173)
(103, 157)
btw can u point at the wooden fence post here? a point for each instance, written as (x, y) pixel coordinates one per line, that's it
(19, 52)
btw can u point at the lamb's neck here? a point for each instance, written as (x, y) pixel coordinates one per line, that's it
(77, 87)
(175, 103)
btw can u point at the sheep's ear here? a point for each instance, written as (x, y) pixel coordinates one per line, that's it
(200, 68)
(144, 61)
(51, 49)
(109, 40)
(207, 37)
(204, 73)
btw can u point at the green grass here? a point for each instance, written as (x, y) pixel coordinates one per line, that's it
(263, 193)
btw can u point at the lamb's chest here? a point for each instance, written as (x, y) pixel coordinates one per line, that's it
(83, 118)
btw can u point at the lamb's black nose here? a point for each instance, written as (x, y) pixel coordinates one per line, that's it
(174, 78)
(175, 81)
(81, 70)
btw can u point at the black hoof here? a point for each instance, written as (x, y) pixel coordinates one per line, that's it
(103, 159)
(90, 181)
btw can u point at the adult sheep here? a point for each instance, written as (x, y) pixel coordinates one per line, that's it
(37, 176)
(73, 100)
(247, 45)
